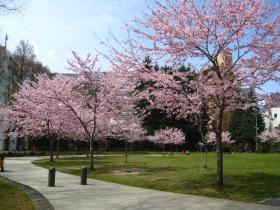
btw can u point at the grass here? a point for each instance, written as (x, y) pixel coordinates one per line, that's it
(12, 197)
(248, 177)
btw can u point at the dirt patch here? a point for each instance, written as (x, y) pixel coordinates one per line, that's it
(131, 171)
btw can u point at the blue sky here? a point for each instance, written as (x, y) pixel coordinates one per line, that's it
(56, 27)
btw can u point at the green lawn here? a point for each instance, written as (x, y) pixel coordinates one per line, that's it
(12, 197)
(248, 177)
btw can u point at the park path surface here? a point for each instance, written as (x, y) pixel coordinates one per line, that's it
(99, 195)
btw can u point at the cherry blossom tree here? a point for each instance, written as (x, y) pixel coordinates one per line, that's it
(170, 136)
(38, 114)
(84, 100)
(211, 138)
(271, 100)
(127, 129)
(79, 107)
(124, 124)
(67, 105)
(237, 43)
(226, 138)
(202, 120)
(104, 97)
(271, 137)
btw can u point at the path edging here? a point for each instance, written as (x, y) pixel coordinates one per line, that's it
(40, 202)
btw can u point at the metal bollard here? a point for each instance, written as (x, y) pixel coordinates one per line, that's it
(84, 176)
(51, 181)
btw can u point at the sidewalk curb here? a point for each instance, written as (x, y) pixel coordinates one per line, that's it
(39, 201)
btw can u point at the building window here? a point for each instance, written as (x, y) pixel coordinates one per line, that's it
(275, 115)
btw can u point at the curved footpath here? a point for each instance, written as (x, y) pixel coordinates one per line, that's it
(99, 195)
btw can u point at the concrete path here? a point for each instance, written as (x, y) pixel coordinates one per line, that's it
(99, 195)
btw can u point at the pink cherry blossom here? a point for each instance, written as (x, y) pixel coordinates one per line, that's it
(226, 138)
(273, 136)
(271, 100)
(168, 136)
(237, 42)
(38, 113)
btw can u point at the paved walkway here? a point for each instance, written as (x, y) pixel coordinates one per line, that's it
(99, 195)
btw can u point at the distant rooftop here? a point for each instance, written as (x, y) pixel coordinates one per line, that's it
(69, 75)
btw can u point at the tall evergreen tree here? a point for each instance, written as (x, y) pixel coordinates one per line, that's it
(245, 124)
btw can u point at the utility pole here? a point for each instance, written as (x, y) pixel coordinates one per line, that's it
(4, 69)
(6, 40)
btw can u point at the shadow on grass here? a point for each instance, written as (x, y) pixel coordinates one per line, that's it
(250, 187)
(183, 177)
(256, 186)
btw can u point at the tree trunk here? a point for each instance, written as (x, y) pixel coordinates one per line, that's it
(206, 156)
(91, 165)
(106, 145)
(130, 148)
(51, 150)
(76, 148)
(220, 178)
(204, 140)
(125, 148)
(7, 143)
(171, 149)
(57, 149)
(88, 150)
(251, 147)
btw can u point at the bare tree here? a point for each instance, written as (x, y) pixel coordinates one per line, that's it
(24, 56)
(17, 67)
(11, 6)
